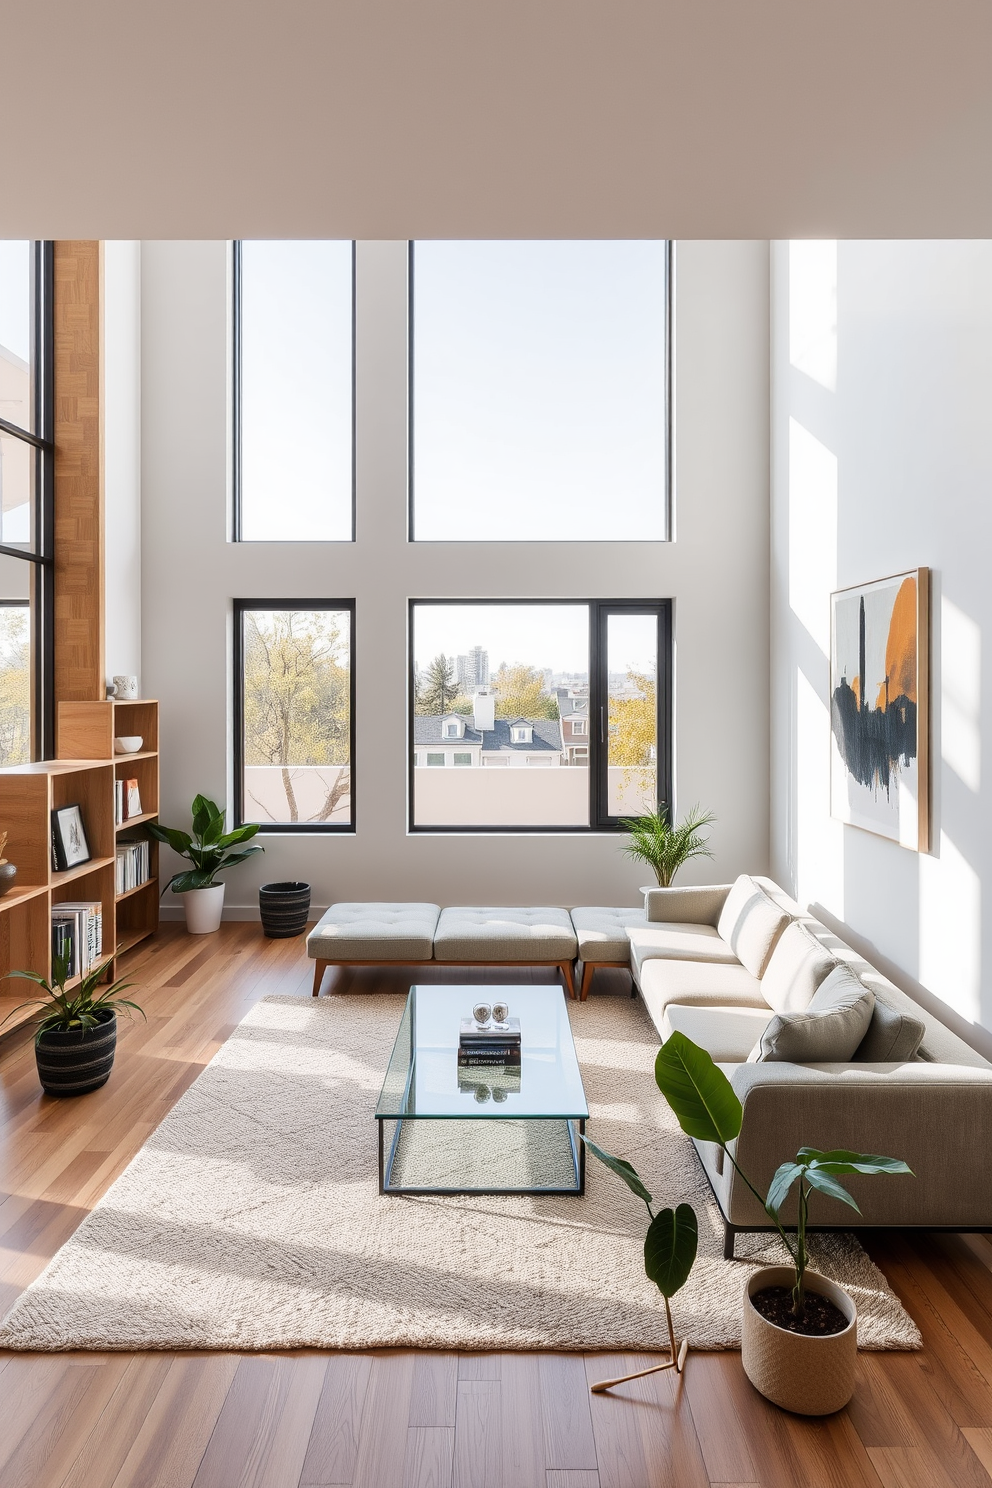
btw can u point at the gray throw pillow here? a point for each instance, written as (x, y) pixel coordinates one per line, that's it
(892, 1037)
(828, 1031)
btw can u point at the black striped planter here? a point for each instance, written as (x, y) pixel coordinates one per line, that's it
(73, 1063)
(284, 908)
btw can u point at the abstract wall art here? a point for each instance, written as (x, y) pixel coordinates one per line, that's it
(880, 707)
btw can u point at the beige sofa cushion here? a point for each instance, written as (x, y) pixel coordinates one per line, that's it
(374, 932)
(798, 964)
(601, 932)
(830, 1029)
(699, 984)
(751, 924)
(481, 933)
(726, 1033)
(677, 942)
(698, 904)
(893, 1036)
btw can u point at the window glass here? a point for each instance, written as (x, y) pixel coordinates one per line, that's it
(16, 661)
(539, 391)
(632, 683)
(295, 391)
(18, 470)
(296, 716)
(17, 340)
(530, 654)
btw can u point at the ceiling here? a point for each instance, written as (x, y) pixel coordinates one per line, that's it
(513, 118)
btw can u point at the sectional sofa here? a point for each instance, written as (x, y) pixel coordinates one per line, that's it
(821, 1049)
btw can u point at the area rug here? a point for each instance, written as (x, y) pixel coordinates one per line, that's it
(251, 1218)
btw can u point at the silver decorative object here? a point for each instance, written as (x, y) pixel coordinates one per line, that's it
(500, 1014)
(482, 1013)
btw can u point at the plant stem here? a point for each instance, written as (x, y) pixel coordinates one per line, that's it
(793, 1254)
(799, 1290)
(671, 1333)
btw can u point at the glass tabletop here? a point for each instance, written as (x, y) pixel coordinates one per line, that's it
(424, 1077)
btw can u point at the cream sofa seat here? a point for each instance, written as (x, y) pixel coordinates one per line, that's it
(601, 932)
(677, 942)
(934, 1110)
(496, 935)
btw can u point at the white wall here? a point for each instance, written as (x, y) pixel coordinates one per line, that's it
(717, 572)
(122, 454)
(888, 469)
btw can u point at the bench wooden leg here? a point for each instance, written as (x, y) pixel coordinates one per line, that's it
(567, 976)
(588, 971)
(318, 975)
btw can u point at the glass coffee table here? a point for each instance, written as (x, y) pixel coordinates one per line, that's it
(445, 1129)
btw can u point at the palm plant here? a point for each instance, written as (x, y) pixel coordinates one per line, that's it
(207, 848)
(78, 1010)
(653, 840)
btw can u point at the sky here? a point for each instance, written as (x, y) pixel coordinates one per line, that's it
(539, 635)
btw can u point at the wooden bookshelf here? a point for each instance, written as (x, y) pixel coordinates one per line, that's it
(84, 776)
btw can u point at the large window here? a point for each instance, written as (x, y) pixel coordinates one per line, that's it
(539, 716)
(25, 500)
(294, 391)
(539, 391)
(294, 705)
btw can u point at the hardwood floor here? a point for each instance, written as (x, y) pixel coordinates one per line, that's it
(398, 1419)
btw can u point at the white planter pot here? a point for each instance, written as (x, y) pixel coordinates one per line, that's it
(810, 1376)
(204, 908)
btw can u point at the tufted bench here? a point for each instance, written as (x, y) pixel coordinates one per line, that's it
(601, 934)
(373, 934)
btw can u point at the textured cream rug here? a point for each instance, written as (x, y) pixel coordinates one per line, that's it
(251, 1219)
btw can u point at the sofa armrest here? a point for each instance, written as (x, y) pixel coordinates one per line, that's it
(936, 1117)
(696, 905)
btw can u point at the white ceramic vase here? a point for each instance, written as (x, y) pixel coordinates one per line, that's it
(204, 908)
(808, 1375)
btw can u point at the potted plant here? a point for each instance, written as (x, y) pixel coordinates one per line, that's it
(208, 849)
(653, 840)
(799, 1334)
(75, 1031)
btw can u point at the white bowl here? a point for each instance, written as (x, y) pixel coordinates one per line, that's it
(128, 744)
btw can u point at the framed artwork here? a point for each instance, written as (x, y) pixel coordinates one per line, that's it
(880, 707)
(69, 838)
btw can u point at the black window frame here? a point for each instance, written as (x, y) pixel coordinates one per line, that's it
(42, 558)
(667, 416)
(600, 821)
(239, 609)
(236, 381)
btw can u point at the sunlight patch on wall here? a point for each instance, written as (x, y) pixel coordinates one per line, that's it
(820, 865)
(812, 531)
(813, 310)
(960, 694)
(951, 930)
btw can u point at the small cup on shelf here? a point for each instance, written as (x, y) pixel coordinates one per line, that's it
(128, 744)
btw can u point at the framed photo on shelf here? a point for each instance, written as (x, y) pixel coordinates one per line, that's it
(69, 844)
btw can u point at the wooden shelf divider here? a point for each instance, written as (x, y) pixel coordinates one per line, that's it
(84, 773)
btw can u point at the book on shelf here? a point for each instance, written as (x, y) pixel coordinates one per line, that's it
(127, 801)
(132, 866)
(77, 930)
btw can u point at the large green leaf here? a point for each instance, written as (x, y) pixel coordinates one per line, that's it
(700, 1095)
(180, 842)
(827, 1184)
(842, 1161)
(622, 1168)
(782, 1180)
(670, 1248)
(240, 834)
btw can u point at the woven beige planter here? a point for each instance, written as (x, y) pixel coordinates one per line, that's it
(811, 1376)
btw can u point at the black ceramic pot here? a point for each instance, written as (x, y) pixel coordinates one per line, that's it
(8, 872)
(73, 1063)
(284, 908)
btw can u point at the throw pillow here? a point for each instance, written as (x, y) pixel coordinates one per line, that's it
(751, 923)
(797, 966)
(892, 1037)
(830, 1029)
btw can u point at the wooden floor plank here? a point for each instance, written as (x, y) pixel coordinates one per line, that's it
(332, 1450)
(478, 1459)
(429, 1454)
(619, 1446)
(523, 1420)
(478, 1366)
(261, 1435)
(104, 1449)
(435, 1385)
(714, 1405)
(572, 1477)
(382, 1444)
(169, 1443)
(568, 1436)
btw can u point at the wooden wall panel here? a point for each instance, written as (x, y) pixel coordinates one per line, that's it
(79, 569)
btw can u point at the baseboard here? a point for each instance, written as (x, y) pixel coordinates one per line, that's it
(249, 912)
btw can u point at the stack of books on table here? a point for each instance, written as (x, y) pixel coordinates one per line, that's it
(77, 932)
(495, 1044)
